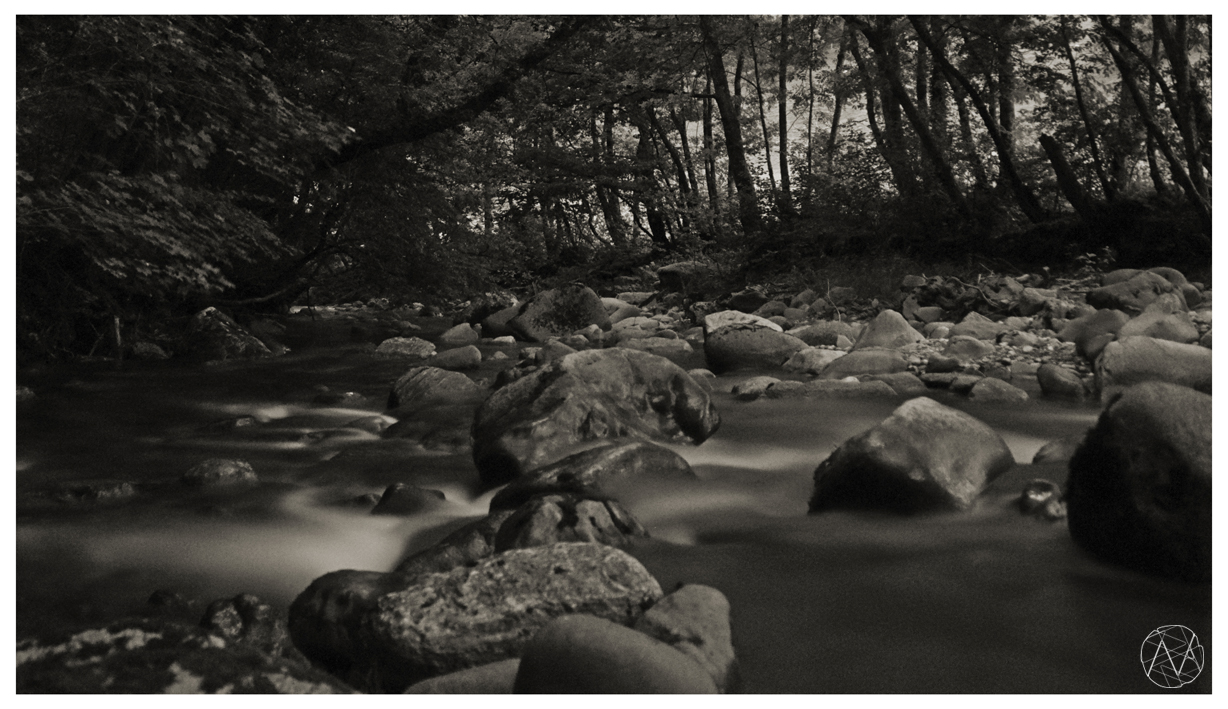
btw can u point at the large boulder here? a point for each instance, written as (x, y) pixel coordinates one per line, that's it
(389, 631)
(558, 312)
(586, 397)
(567, 517)
(749, 347)
(407, 347)
(591, 472)
(1056, 380)
(582, 654)
(1176, 327)
(715, 321)
(695, 619)
(213, 336)
(824, 332)
(422, 386)
(867, 361)
(887, 329)
(463, 547)
(1093, 331)
(1133, 360)
(1139, 492)
(158, 657)
(925, 456)
(1133, 295)
(496, 324)
(811, 360)
(976, 325)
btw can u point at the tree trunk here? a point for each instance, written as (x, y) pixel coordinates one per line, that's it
(1153, 164)
(607, 197)
(839, 99)
(786, 196)
(1066, 179)
(938, 113)
(714, 197)
(1023, 194)
(878, 41)
(1185, 112)
(1109, 192)
(899, 174)
(748, 207)
(972, 156)
(1180, 175)
(767, 137)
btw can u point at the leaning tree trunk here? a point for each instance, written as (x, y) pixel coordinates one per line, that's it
(786, 196)
(748, 204)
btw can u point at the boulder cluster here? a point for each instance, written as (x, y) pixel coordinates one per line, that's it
(541, 594)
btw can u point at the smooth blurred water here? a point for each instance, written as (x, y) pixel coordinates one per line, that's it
(985, 601)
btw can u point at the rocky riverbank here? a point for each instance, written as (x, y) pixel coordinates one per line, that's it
(569, 400)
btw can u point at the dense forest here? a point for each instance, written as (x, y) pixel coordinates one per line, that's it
(168, 163)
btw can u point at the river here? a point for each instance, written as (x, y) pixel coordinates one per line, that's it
(987, 601)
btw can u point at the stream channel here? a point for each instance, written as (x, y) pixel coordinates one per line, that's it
(985, 601)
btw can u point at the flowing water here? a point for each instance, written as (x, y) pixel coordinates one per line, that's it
(984, 601)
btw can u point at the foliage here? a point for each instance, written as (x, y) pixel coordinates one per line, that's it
(168, 162)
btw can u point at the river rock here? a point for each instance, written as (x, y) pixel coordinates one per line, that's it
(618, 309)
(219, 471)
(1059, 450)
(246, 619)
(994, 390)
(1092, 332)
(582, 654)
(1133, 295)
(825, 332)
(811, 360)
(587, 396)
(669, 348)
(904, 384)
(865, 361)
(407, 347)
(153, 656)
(591, 473)
(461, 334)
(405, 499)
(559, 311)
(213, 336)
(1176, 327)
(1056, 380)
(472, 616)
(1138, 359)
(496, 324)
(422, 386)
(725, 318)
(976, 325)
(748, 346)
(965, 349)
(1139, 492)
(467, 357)
(566, 517)
(748, 300)
(463, 547)
(99, 491)
(1042, 499)
(771, 308)
(491, 678)
(829, 389)
(695, 620)
(888, 329)
(925, 456)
